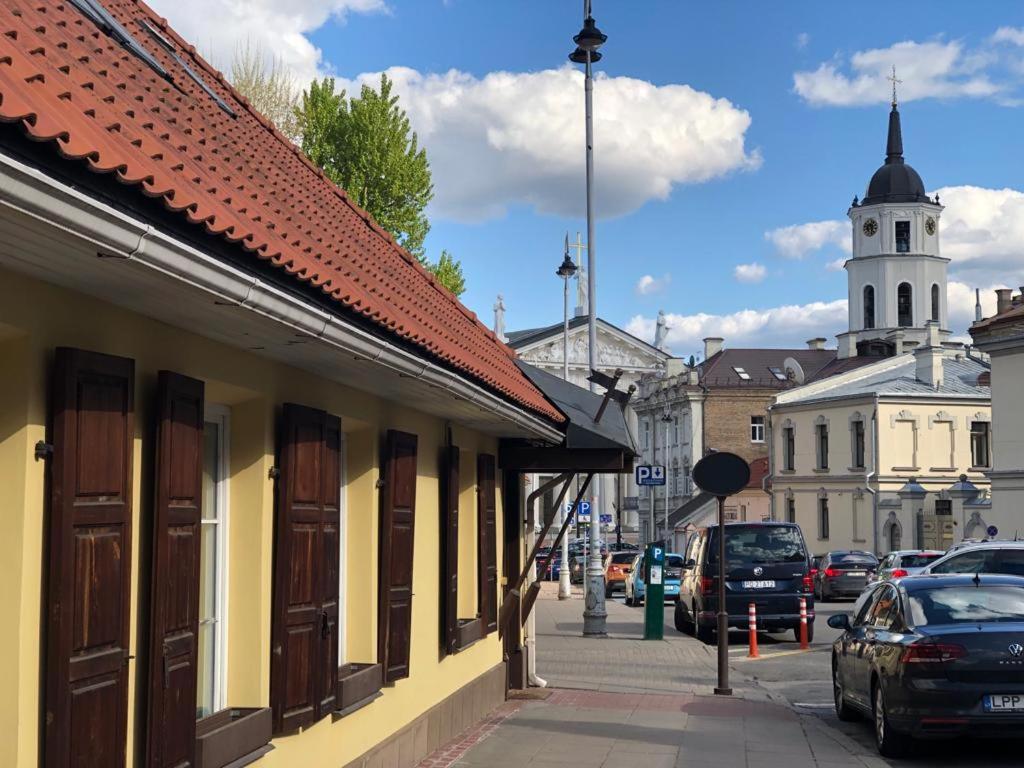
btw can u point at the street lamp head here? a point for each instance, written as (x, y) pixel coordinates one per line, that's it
(590, 37)
(579, 56)
(567, 269)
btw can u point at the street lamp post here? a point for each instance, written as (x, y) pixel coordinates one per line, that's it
(587, 42)
(666, 419)
(565, 271)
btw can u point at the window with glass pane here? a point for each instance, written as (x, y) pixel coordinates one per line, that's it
(858, 444)
(210, 663)
(822, 430)
(869, 306)
(904, 305)
(823, 518)
(902, 237)
(935, 302)
(789, 449)
(790, 510)
(979, 444)
(757, 429)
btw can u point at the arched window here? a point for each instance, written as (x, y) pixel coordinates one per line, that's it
(895, 536)
(869, 306)
(935, 302)
(904, 306)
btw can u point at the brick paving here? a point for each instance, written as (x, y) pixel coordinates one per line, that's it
(621, 702)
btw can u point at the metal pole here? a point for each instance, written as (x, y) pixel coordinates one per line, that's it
(564, 584)
(723, 688)
(666, 457)
(594, 615)
(652, 531)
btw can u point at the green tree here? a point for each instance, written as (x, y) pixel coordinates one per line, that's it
(366, 145)
(449, 272)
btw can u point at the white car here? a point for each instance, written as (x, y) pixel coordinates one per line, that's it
(982, 557)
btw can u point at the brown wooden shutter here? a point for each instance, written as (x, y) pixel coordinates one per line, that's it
(89, 572)
(174, 603)
(487, 557)
(450, 549)
(398, 515)
(304, 659)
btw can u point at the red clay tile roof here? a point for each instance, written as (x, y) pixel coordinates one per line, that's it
(758, 471)
(68, 82)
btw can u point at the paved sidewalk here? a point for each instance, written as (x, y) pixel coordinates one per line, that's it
(625, 703)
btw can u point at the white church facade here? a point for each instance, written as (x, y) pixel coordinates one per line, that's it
(889, 447)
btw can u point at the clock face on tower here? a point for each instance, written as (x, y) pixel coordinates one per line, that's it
(870, 227)
(929, 225)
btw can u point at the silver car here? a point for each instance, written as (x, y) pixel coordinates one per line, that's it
(905, 562)
(982, 557)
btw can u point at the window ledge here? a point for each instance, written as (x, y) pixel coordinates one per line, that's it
(470, 631)
(358, 685)
(855, 469)
(906, 469)
(979, 470)
(942, 469)
(787, 471)
(821, 470)
(233, 738)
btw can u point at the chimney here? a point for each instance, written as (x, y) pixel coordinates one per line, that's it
(929, 357)
(712, 346)
(897, 340)
(847, 345)
(1004, 299)
(977, 305)
(817, 343)
(674, 366)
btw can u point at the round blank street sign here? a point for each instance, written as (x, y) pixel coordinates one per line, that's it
(721, 474)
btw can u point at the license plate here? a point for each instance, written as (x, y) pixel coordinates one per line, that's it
(762, 584)
(856, 573)
(1004, 702)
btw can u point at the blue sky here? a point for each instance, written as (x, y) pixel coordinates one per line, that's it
(773, 154)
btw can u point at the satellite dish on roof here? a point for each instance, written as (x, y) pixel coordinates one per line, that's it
(794, 371)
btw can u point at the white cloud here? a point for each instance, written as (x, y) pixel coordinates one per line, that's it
(648, 284)
(802, 40)
(749, 273)
(785, 326)
(510, 138)
(928, 70)
(218, 27)
(1012, 35)
(796, 241)
(982, 231)
(837, 265)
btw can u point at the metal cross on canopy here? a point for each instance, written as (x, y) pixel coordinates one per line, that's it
(895, 81)
(611, 393)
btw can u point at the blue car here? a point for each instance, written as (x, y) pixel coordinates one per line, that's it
(635, 582)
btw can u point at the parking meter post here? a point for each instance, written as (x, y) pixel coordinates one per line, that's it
(723, 688)
(654, 592)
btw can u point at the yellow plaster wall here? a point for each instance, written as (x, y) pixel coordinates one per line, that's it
(37, 317)
(933, 447)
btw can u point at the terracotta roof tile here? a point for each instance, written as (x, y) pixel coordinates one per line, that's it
(67, 82)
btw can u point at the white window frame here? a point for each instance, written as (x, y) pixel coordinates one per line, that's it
(342, 546)
(221, 416)
(760, 428)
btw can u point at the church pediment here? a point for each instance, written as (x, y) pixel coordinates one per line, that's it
(615, 349)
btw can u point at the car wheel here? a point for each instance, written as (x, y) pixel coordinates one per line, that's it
(889, 742)
(810, 631)
(843, 710)
(705, 634)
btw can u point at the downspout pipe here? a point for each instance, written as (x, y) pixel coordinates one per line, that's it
(531, 537)
(873, 474)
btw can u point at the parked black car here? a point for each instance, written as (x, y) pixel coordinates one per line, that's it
(843, 573)
(932, 657)
(766, 564)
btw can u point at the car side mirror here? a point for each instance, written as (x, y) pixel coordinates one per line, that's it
(691, 563)
(839, 621)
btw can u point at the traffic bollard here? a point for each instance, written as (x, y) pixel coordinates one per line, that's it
(752, 615)
(804, 645)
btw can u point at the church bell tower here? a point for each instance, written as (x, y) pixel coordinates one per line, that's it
(896, 275)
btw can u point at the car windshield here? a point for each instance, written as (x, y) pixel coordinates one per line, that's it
(853, 558)
(754, 544)
(623, 557)
(967, 604)
(918, 561)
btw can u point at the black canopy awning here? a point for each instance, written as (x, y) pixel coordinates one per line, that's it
(603, 446)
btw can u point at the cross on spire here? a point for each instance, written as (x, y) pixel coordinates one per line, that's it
(895, 81)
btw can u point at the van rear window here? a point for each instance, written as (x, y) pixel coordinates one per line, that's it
(758, 544)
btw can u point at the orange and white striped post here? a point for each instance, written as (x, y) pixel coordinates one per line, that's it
(752, 623)
(804, 645)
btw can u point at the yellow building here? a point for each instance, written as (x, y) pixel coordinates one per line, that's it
(890, 455)
(261, 472)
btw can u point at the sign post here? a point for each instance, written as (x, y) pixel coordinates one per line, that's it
(654, 592)
(722, 475)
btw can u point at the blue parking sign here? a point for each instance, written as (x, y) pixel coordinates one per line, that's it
(650, 474)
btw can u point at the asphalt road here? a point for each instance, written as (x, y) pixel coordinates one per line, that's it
(804, 679)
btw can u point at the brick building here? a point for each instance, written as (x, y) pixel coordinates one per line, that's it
(720, 404)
